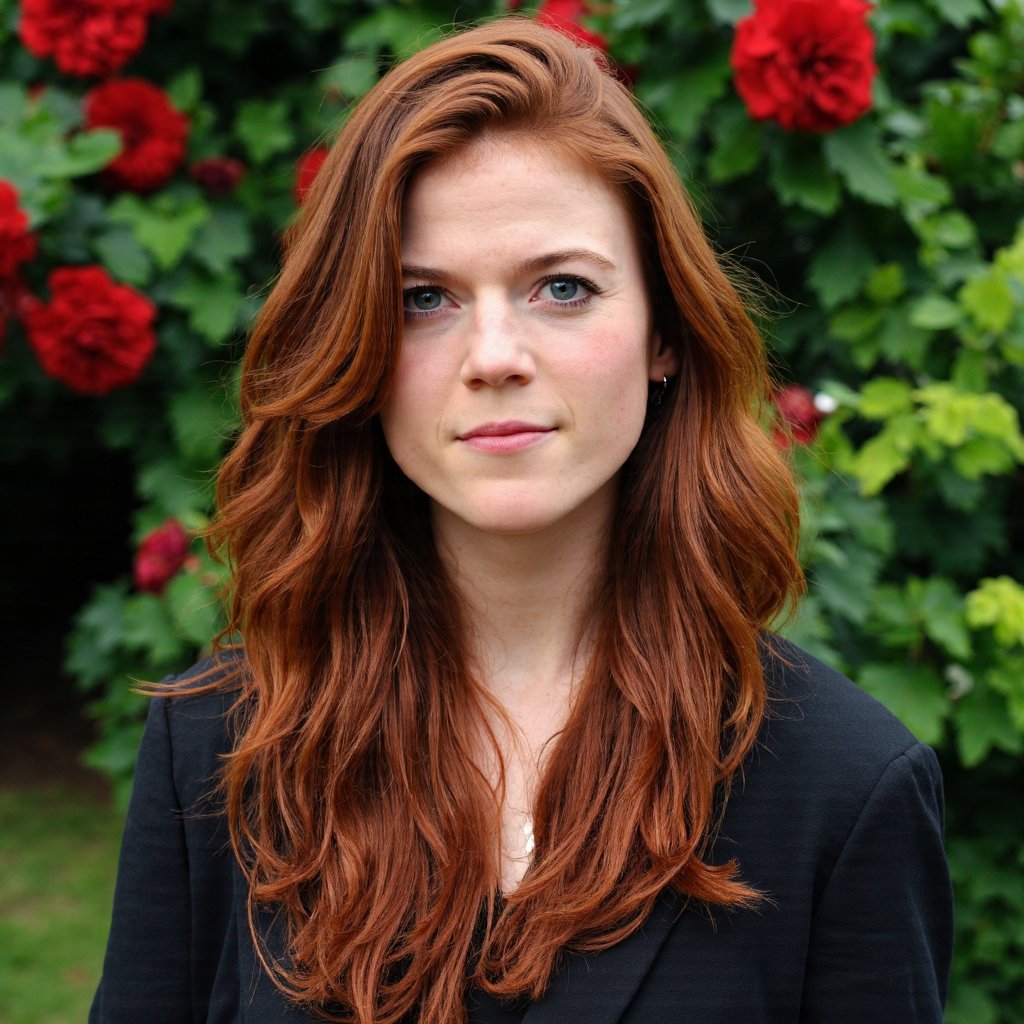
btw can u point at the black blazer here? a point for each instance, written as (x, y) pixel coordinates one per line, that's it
(838, 819)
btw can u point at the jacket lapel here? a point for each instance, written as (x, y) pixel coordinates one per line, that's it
(599, 987)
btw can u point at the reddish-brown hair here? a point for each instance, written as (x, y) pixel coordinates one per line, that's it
(352, 797)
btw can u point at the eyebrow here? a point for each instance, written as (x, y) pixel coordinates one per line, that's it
(529, 265)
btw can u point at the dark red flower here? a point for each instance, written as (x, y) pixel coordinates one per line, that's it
(17, 243)
(153, 131)
(306, 171)
(217, 175)
(94, 334)
(807, 64)
(160, 555)
(85, 37)
(800, 417)
(160, 6)
(566, 16)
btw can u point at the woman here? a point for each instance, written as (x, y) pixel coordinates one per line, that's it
(508, 740)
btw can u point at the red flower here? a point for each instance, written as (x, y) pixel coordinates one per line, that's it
(160, 6)
(217, 175)
(565, 15)
(153, 132)
(17, 243)
(800, 417)
(160, 554)
(94, 334)
(807, 64)
(85, 37)
(306, 171)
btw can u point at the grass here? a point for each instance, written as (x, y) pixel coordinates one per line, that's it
(58, 859)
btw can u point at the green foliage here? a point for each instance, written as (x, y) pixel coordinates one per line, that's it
(896, 241)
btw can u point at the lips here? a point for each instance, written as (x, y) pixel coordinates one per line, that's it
(507, 436)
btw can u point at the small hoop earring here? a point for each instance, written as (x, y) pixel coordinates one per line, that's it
(660, 393)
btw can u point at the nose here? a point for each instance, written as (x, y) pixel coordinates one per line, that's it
(497, 349)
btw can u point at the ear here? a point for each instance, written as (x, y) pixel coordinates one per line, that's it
(664, 361)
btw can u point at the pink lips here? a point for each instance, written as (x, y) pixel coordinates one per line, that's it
(510, 436)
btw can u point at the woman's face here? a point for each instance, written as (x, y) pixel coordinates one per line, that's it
(522, 383)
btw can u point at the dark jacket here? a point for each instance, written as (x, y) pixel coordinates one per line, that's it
(837, 819)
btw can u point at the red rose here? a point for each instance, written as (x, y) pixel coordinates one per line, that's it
(153, 132)
(807, 64)
(306, 171)
(160, 6)
(800, 417)
(217, 175)
(85, 37)
(17, 243)
(566, 15)
(94, 334)
(161, 553)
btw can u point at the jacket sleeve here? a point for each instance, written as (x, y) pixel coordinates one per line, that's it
(881, 934)
(146, 975)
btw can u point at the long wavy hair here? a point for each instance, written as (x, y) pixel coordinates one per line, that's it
(355, 804)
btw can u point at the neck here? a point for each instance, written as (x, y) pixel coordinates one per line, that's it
(526, 599)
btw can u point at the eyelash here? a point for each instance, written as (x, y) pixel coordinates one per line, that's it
(592, 289)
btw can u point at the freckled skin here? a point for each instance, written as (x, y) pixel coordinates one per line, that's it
(488, 340)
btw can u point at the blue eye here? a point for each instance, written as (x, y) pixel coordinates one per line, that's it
(564, 288)
(423, 300)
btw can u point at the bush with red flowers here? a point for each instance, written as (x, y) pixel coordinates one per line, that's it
(94, 334)
(85, 37)
(306, 171)
(153, 131)
(806, 64)
(160, 555)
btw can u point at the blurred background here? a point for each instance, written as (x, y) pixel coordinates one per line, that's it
(866, 164)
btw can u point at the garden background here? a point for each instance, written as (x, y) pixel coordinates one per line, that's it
(867, 165)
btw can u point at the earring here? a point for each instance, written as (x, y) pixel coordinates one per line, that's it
(660, 393)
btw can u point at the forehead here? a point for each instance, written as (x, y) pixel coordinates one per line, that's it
(508, 188)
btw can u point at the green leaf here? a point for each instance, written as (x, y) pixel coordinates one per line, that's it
(213, 304)
(952, 229)
(352, 77)
(737, 144)
(728, 12)
(172, 491)
(122, 255)
(884, 397)
(163, 226)
(920, 193)
(936, 313)
(693, 91)
(840, 267)
(265, 129)
(988, 299)
(856, 153)
(85, 153)
(801, 178)
(998, 602)
(186, 89)
(194, 608)
(148, 627)
(201, 419)
(915, 694)
(983, 723)
(224, 239)
(856, 322)
(878, 461)
(959, 12)
(886, 283)
(981, 456)
(941, 610)
(1007, 678)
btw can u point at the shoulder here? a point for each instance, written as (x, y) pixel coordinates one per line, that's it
(816, 713)
(192, 722)
(828, 757)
